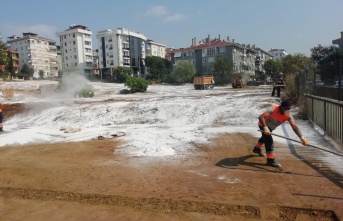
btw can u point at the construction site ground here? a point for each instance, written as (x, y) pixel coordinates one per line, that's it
(221, 181)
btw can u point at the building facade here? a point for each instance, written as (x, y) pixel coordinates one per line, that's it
(76, 49)
(278, 53)
(155, 49)
(37, 52)
(202, 55)
(261, 57)
(121, 48)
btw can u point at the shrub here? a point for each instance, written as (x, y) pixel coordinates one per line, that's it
(85, 92)
(136, 84)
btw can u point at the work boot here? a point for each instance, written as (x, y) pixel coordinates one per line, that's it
(271, 162)
(258, 151)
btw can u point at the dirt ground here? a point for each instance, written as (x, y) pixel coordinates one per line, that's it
(221, 181)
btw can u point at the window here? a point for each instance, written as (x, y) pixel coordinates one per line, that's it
(75, 56)
(73, 35)
(65, 44)
(73, 42)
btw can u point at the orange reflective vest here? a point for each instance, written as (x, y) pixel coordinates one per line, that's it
(0, 108)
(275, 118)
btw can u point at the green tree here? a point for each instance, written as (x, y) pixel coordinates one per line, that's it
(322, 54)
(157, 67)
(41, 74)
(136, 84)
(122, 73)
(60, 74)
(3, 54)
(223, 70)
(272, 68)
(292, 64)
(183, 72)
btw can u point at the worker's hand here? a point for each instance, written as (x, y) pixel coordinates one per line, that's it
(266, 131)
(304, 141)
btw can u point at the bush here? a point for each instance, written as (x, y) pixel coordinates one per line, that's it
(85, 92)
(136, 84)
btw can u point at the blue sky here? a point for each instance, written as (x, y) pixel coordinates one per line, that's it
(293, 25)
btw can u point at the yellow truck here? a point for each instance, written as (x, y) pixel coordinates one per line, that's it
(203, 82)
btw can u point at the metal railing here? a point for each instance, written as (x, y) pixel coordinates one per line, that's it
(327, 114)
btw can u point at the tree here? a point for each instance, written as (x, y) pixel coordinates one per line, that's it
(41, 74)
(322, 54)
(136, 84)
(183, 72)
(122, 73)
(60, 74)
(158, 67)
(272, 68)
(222, 68)
(3, 54)
(292, 64)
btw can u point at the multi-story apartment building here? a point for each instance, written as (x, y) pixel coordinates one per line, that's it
(96, 69)
(261, 57)
(278, 53)
(339, 41)
(202, 55)
(155, 49)
(59, 57)
(121, 47)
(37, 52)
(76, 49)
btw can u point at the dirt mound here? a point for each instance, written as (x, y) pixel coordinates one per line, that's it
(9, 110)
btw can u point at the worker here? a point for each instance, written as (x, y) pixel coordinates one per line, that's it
(1, 127)
(277, 82)
(268, 121)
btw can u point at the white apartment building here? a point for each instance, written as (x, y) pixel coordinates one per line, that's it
(37, 52)
(155, 49)
(278, 53)
(121, 47)
(76, 49)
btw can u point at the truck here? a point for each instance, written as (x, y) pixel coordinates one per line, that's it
(203, 82)
(237, 82)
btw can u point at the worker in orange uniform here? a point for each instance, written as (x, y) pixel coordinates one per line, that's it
(268, 121)
(1, 117)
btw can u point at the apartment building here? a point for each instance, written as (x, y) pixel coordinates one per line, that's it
(339, 41)
(37, 52)
(155, 49)
(76, 49)
(202, 55)
(278, 53)
(261, 57)
(121, 47)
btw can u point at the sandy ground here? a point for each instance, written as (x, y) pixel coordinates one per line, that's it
(221, 181)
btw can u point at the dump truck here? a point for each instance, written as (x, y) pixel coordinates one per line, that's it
(237, 82)
(203, 82)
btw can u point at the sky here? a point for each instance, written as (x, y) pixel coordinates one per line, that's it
(166, 121)
(293, 25)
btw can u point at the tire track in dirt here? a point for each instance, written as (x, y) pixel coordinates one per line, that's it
(141, 203)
